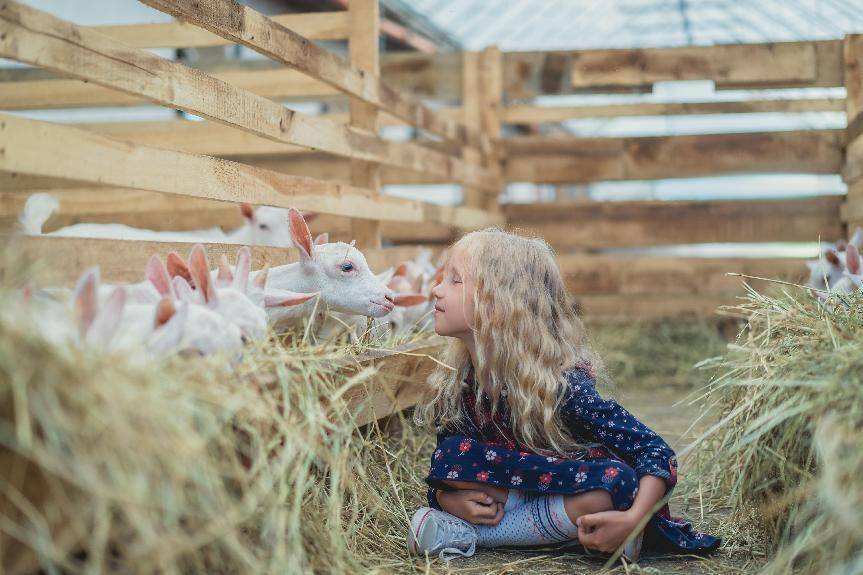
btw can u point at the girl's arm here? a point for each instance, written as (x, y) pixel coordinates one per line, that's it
(589, 415)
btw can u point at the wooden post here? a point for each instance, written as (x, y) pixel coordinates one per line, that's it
(852, 170)
(364, 52)
(491, 109)
(472, 119)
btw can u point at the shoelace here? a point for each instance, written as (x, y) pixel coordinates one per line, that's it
(457, 533)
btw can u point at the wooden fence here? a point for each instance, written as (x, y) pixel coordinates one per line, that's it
(187, 174)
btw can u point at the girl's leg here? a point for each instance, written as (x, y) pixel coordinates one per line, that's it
(587, 503)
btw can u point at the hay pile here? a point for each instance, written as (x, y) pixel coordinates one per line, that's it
(790, 438)
(186, 467)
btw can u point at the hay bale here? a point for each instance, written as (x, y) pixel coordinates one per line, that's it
(790, 437)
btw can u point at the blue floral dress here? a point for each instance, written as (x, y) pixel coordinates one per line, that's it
(619, 450)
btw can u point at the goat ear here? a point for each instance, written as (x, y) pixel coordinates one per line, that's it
(401, 269)
(225, 276)
(852, 259)
(171, 333)
(244, 265)
(260, 280)
(857, 238)
(177, 267)
(201, 274)
(385, 276)
(409, 299)
(159, 276)
(323, 238)
(831, 256)
(183, 289)
(165, 310)
(300, 234)
(108, 319)
(248, 211)
(285, 298)
(86, 299)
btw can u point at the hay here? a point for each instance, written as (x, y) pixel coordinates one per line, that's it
(790, 437)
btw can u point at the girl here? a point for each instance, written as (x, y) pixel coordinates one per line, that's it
(528, 452)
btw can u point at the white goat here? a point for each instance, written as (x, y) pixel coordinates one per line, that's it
(264, 225)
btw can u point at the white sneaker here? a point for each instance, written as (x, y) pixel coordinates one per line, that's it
(438, 532)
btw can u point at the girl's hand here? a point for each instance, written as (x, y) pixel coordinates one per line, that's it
(473, 506)
(605, 531)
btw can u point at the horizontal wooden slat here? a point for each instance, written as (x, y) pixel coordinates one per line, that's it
(246, 26)
(791, 64)
(155, 211)
(48, 94)
(567, 225)
(636, 275)
(63, 260)
(559, 160)
(26, 144)
(612, 307)
(536, 114)
(40, 39)
(312, 25)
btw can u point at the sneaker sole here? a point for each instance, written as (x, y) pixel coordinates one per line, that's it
(417, 523)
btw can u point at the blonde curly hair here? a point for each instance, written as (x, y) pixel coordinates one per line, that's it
(527, 335)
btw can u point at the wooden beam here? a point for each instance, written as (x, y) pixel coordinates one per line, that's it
(776, 65)
(538, 114)
(852, 171)
(567, 225)
(615, 307)
(40, 39)
(42, 149)
(311, 25)
(48, 94)
(364, 53)
(63, 260)
(490, 71)
(472, 117)
(573, 160)
(636, 275)
(246, 26)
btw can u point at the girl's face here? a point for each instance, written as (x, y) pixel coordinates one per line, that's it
(453, 313)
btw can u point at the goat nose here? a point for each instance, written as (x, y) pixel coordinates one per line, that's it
(389, 298)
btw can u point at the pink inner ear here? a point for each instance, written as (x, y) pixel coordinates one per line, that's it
(323, 238)
(201, 273)
(85, 299)
(852, 259)
(409, 299)
(244, 265)
(225, 274)
(832, 257)
(248, 211)
(177, 267)
(300, 233)
(401, 270)
(165, 310)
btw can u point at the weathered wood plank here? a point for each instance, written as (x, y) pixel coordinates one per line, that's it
(63, 260)
(364, 53)
(615, 307)
(84, 156)
(246, 26)
(538, 114)
(48, 94)
(738, 64)
(491, 106)
(311, 25)
(560, 160)
(40, 39)
(567, 225)
(529, 74)
(637, 275)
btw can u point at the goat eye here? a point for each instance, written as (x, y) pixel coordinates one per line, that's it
(264, 227)
(347, 266)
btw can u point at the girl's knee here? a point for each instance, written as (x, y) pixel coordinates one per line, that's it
(586, 503)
